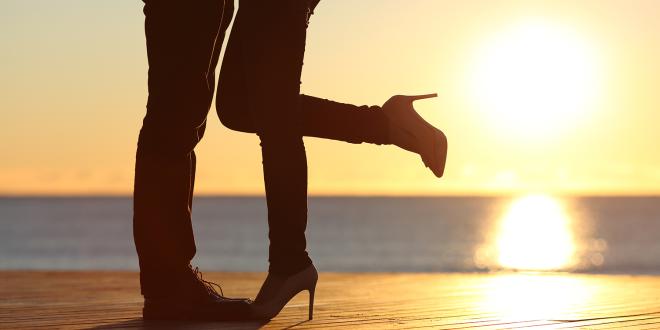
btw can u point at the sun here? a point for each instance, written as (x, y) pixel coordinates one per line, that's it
(534, 77)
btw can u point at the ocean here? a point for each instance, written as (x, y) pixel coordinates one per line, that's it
(354, 234)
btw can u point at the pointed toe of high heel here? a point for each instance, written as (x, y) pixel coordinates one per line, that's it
(439, 153)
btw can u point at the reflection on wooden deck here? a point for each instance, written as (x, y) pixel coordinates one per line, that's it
(437, 301)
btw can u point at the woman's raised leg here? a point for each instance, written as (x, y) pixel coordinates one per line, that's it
(261, 70)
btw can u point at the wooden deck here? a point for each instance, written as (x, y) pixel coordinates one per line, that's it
(350, 301)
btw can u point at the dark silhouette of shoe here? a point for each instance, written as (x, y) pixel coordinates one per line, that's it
(194, 299)
(276, 292)
(410, 131)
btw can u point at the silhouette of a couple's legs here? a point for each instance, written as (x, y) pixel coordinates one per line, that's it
(258, 92)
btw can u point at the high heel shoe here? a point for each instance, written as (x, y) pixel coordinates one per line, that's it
(276, 292)
(410, 131)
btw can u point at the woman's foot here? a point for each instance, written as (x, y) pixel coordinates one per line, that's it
(277, 290)
(410, 131)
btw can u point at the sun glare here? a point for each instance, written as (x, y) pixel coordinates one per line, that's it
(514, 297)
(535, 234)
(534, 77)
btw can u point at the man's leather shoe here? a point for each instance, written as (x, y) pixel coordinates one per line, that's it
(194, 299)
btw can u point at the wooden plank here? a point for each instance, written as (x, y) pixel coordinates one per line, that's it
(75, 300)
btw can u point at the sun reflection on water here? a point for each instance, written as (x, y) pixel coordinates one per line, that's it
(541, 233)
(535, 234)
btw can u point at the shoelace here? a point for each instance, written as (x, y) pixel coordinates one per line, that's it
(210, 286)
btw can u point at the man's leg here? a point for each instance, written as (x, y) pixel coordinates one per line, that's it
(183, 41)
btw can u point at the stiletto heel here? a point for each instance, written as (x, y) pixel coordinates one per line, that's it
(311, 302)
(410, 131)
(277, 291)
(413, 98)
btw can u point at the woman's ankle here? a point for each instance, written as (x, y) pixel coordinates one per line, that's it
(288, 268)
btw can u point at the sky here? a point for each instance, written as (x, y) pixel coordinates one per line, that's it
(534, 96)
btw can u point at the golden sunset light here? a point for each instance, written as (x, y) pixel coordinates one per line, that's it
(315, 164)
(535, 234)
(525, 296)
(558, 97)
(535, 78)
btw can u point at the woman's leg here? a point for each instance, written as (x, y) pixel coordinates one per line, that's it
(318, 117)
(264, 57)
(344, 122)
